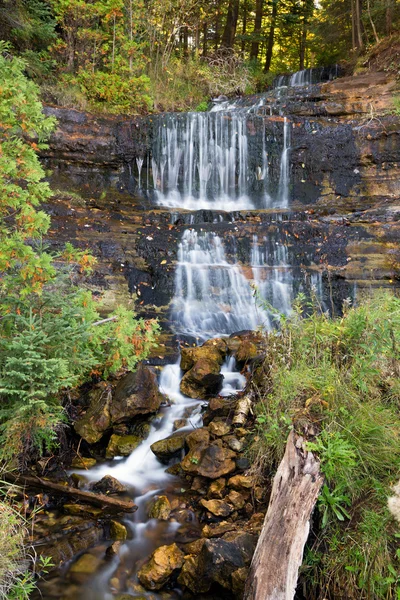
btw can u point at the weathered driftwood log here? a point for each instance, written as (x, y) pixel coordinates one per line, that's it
(279, 552)
(85, 496)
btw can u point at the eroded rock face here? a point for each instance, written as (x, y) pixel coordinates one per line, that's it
(159, 568)
(136, 394)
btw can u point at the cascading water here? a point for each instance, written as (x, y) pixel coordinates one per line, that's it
(307, 77)
(215, 160)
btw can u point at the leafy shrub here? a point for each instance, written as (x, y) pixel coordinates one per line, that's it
(115, 92)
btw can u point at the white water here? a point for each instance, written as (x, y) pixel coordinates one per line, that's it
(201, 160)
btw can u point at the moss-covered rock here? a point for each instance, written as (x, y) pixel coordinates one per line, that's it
(97, 419)
(159, 568)
(203, 380)
(169, 447)
(109, 485)
(210, 461)
(136, 394)
(160, 509)
(118, 531)
(122, 445)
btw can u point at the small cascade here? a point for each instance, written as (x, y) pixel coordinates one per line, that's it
(283, 190)
(216, 160)
(307, 77)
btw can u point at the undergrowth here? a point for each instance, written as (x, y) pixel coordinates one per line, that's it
(336, 381)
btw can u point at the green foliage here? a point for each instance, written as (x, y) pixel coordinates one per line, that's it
(396, 102)
(51, 333)
(337, 377)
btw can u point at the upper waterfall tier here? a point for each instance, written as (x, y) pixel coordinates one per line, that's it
(308, 76)
(223, 159)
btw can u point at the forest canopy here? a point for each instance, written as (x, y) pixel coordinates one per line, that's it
(128, 56)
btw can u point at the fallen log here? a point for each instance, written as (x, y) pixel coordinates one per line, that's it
(90, 497)
(278, 556)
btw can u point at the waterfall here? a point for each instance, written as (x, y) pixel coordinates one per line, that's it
(307, 77)
(283, 191)
(215, 295)
(216, 160)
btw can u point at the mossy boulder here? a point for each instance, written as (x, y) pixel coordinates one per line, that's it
(219, 508)
(109, 485)
(211, 461)
(245, 346)
(156, 572)
(122, 445)
(160, 509)
(136, 394)
(214, 350)
(203, 380)
(169, 447)
(118, 531)
(97, 419)
(81, 462)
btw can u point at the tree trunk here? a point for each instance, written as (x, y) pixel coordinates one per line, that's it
(229, 34)
(389, 17)
(372, 22)
(244, 28)
(257, 30)
(279, 552)
(303, 40)
(205, 34)
(185, 42)
(359, 39)
(271, 36)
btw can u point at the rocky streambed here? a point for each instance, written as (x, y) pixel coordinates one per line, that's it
(158, 497)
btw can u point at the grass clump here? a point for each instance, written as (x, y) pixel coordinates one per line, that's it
(336, 381)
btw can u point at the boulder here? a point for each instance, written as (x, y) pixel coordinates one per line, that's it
(219, 508)
(158, 569)
(198, 437)
(219, 428)
(214, 350)
(210, 461)
(239, 482)
(203, 380)
(237, 499)
(84, 568)
(118, 531)
(169, 447)
(80, 462)
(245, 346)
(136, 394)
(160, 509)
(122, 445)
(216, 488)
(97, 419)
(109, 485)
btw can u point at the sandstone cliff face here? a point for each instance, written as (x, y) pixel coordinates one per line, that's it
(345, 189)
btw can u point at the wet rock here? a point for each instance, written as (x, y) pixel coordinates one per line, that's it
(219, 508)
(199, 485)
(217, 529)
(169, 447)
(241, 481)
(212, 462)
(219, 428)
(214, 350)
(234, 443)
(195, 547)
(189, 576)
(236, 499)
(109, 485)
(79, 481)
(245, 346)
(203, 380)
(114, 549)
(179, 423)
(159, 568)
(97, 419)
(80, 462)
(83, 510)
(217, 488)
(85, 567)
(198, 437)
(70, 541)
(136, 394)
(118, 531)
(239, 581)
(216, 562)
(160, 509)
(242, 463)
(122, 445)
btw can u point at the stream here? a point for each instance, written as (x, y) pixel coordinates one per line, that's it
(219, 160)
